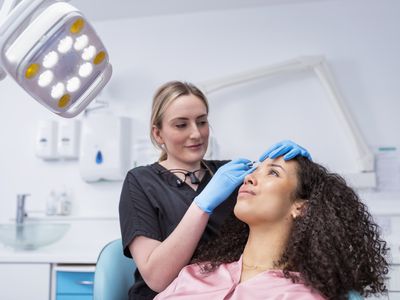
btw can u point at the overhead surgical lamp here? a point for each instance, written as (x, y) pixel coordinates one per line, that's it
(52, 52)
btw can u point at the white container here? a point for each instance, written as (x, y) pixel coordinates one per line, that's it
(64, 203)
(105, 147)
(46, 140)
(51, 204)
(68, 139)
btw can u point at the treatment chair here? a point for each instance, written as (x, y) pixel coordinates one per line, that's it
(114, 273)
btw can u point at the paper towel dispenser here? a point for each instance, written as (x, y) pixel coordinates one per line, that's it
(105, 147)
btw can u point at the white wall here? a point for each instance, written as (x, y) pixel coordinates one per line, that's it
(359, 38)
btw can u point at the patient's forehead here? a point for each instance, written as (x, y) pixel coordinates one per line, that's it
(289, 166)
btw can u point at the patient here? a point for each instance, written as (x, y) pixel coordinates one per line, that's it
(303, 234)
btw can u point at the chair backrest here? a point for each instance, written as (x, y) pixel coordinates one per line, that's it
(353, 295)
(114, 273)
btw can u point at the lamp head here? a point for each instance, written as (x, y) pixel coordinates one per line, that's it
(58, 59)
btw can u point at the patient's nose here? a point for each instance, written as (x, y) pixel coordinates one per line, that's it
(250, 179)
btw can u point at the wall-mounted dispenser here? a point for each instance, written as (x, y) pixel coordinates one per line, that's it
(68, 139)
(105, 147)
(46, 140)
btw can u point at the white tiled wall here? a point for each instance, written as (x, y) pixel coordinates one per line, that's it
(390, 224)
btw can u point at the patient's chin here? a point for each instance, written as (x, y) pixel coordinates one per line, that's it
(242, 212)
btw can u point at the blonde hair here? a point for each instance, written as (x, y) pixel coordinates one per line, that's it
(163, 97)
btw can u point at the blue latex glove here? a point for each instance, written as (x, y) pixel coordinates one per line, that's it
(223, 183)
(287, 148)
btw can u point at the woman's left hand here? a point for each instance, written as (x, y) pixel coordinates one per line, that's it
(287, 148)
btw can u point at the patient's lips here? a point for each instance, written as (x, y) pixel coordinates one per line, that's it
(244, 190)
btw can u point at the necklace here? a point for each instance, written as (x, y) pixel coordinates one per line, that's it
(255, 267)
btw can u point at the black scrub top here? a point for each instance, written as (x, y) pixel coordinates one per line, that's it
(151, 206)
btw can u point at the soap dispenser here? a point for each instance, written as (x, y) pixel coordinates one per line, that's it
(68, 139)
(46, 140)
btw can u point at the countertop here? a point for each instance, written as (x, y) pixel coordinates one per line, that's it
(80, 245)
(84, 241)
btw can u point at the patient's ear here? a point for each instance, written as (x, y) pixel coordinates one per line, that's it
(298, 208)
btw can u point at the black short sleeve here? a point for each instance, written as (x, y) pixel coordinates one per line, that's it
(137, 215)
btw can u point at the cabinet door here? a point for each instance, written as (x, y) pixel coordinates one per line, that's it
(74, 297)
(25, 281)
(74, 283)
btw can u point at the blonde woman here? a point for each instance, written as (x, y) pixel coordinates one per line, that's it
(169, 208)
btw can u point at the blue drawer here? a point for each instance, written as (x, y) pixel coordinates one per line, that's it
(74, 297)
(74, 283)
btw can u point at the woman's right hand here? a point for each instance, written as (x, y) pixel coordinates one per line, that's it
(224, 182)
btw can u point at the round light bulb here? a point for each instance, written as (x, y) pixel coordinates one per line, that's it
(81, 42)
(57, 90)
(73, 84)
(50, 60)
(89, 52)
(65, 44)
(85, 70)
(45, 78)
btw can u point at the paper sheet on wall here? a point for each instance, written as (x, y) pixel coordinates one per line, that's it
(388, 169)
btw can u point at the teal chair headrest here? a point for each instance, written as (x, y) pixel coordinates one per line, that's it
(114, 273)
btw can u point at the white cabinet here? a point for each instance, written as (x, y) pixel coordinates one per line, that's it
(394, 282)
(25, 281)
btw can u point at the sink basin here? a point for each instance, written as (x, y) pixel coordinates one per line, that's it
(29, 236)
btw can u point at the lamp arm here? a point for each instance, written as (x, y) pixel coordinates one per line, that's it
(16, 15)
(319, 65)
(214, 85)
(5, 9)
(365, 155)
(12, 16)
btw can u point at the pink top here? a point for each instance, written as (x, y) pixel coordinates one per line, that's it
(223, 284)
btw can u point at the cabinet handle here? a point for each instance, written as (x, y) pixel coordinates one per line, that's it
(85, 282)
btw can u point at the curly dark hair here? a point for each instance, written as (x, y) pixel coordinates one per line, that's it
(335, 244)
